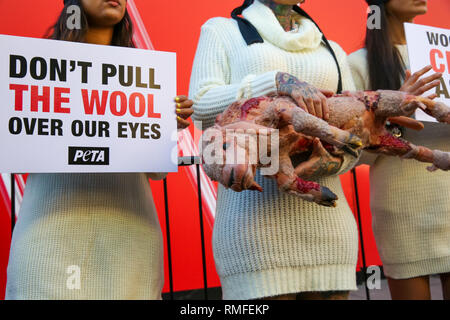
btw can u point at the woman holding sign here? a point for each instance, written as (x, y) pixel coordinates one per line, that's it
(270, 244)
(413, 235)
(90, 236)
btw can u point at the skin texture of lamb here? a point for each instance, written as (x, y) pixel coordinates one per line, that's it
(357, 121)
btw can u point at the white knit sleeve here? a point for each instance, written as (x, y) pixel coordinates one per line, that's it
(210, 86)
(359, 69)
(347, 79)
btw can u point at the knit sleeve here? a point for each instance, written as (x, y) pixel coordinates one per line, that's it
(359, 69)
(210, 86)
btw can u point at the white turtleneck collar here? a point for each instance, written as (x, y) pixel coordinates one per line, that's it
(265, 21)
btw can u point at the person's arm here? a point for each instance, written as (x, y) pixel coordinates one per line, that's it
(183, 110)
(321, 163)
(210, 87)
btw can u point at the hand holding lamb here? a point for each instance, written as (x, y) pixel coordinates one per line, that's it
(310, 147)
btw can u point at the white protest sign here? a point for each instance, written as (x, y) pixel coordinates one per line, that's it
(430, 46)
(74, 107)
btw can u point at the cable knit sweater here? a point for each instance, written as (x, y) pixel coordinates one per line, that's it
(268, 244)
(410, 206)
(86, 236)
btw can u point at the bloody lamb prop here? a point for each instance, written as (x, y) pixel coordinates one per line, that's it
(357, 121)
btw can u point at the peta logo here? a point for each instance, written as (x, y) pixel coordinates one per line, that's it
(88, 156)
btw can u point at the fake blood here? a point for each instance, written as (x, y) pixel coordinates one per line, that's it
(328, 147)
(306, 186)
(303, 144)
(391, 141)
(252, 103)
(371, 100)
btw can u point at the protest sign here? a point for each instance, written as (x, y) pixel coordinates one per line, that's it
(430, 46)
(75, 107)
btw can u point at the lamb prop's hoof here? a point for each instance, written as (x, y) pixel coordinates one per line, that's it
(441, 161)
(439, 111)
(314, 192)
(353, 146)
(328, 198)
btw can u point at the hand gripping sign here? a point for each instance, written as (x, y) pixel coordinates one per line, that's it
(74, 107)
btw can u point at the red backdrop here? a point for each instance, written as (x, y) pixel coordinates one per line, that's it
(175, 26)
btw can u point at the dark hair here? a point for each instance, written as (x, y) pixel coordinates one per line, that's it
(386, 66)
(122, 36)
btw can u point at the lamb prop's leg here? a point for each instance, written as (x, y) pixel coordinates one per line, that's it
(393, 146)
(437, 110)
(290, 183)
(387, 104)
(310, 125)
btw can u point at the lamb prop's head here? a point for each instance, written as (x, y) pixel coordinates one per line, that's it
(230, 154)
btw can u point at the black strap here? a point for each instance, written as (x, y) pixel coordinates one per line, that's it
(327, 43)
(248, 31)
(251, 35)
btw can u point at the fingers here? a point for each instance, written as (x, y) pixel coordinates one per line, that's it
(407, 75)
(318, 108)
(180, 98)
(185, 104)
(301, 103)
(315, 105)
(325, 109)
(421, 90)
(182, 123)
(310, 105)
(433, 78)
(432, 96)
(184, 107)
(416, 85)
(312, 100)
(327, 93)
(185, 113)
(420, 73)
(425, 84)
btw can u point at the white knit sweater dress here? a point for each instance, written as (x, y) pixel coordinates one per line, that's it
(410, 206)
(268, 244)
(86, 236)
